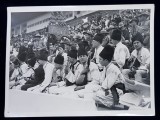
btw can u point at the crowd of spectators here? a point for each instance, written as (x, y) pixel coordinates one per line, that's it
(114, 47)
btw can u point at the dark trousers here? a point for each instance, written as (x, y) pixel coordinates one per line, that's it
(26, 86)
(115, 93)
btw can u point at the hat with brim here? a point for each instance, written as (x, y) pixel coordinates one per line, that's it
(37, 36)
(104, 32)
(65, 40)
(88, 33)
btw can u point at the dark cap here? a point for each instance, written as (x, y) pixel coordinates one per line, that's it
(99, 38)
(107, 52)
(72, 54)
(116, 35)
(137, 37)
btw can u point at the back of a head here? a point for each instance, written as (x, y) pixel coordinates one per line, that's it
(73, 54)
(98, 37)
(82, 51)
(116, 35)
(31, 61)
(16, 62)
(43, 54)
(22, 56)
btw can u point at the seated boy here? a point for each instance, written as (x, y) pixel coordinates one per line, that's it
(48, 71)
(90, 70)
(104, 91)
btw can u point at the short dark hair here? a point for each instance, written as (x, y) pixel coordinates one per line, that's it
(43, 55)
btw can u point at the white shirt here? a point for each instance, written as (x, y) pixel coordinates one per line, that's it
(24, 67)
(72, 76)
(97, 52)
(45, 40)
(48, 70)
(77, 70)
(15, 74)
(29, 72)
(11, 47)
(121, 53)
(15, 53)
(111, 75)
(106, 23)
(143, 57)
(22, 70)
(93, 74)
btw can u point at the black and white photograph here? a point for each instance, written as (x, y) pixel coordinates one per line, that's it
(95, 60)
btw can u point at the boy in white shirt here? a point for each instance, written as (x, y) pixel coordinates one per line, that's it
(104, 90)
(96, 43)
(121, 53)
(90, 70)
(75, 68)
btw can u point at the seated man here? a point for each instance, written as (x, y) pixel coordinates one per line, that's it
(104, 90)
(141, 55)
(74, 70)
(48, 71)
